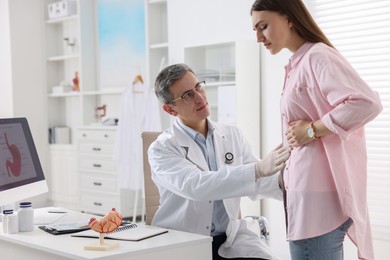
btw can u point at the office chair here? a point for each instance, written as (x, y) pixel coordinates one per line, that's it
(152, 196)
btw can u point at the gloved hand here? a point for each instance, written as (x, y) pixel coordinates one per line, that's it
(273, 162)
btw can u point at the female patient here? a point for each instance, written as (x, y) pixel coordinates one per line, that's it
(324, 107)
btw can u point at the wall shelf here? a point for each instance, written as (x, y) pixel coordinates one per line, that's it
(159, 45)
(62, 19)
(63, 57)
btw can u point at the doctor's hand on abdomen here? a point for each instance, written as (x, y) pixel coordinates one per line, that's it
(273, 162)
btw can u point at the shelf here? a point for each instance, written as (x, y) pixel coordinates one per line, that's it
(70, 147)
(220, 83)
(62, 19)
(63, 57)
(112, 91)
(98, 126)
(159, 45)
(157, 1)
(69, 94)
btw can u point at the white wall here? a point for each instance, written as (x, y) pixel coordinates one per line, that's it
(21, 64)
(202, 22)
(6, 103)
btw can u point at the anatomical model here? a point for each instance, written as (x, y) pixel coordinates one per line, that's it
(109, 223)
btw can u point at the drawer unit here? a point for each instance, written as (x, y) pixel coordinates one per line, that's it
(95, 148)
(96, 164)
(99, 205)
(99, 184)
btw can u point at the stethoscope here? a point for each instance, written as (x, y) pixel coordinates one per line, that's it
(229, 158)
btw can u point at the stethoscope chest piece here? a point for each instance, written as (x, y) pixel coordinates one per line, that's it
(229, 158)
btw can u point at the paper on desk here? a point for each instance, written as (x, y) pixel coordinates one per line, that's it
(81, 225)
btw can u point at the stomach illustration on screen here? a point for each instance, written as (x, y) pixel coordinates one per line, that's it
(13, 167)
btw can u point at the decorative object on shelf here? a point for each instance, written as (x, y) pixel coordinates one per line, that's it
(62, 8)
(70, 44)
(59, 135)
(110, 121)
(100, 112)
(76, 82)
(109, 223)
(64, 87)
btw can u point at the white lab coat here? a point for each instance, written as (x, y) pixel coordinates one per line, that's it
(187, 188)
(140, 111)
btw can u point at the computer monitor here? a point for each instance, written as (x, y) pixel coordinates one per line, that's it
(21, 175)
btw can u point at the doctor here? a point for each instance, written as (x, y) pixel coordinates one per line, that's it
(202, 168)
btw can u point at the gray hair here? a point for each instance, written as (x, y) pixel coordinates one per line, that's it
(166, 78)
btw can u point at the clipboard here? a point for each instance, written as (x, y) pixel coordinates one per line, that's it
(65, 228)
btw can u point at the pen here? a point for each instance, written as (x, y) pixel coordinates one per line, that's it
(56, 211)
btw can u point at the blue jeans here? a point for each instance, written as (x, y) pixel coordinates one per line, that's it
(325, 247)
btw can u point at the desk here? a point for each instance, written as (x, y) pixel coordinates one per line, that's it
(42, 245)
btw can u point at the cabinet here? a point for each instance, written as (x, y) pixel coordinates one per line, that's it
(70, 44)
(99, 189)
(232, 74)
(64, 185)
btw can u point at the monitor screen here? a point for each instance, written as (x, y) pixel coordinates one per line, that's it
(21, 175)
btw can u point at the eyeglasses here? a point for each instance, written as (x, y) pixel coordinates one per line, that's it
(189, 95)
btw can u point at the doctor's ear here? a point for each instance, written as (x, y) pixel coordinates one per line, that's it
(169, 109)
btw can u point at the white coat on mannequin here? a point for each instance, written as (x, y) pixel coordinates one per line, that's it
(187, 188)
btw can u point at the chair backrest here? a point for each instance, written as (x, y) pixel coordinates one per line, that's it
(152, 196)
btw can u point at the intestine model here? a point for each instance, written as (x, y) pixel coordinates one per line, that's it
(109, 223)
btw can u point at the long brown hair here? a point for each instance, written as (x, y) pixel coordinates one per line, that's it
(298, 14)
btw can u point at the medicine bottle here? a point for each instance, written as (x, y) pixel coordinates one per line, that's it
(10, 221)
(26, 217)
(5, 220)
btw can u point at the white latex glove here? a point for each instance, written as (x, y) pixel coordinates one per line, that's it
(273, 162)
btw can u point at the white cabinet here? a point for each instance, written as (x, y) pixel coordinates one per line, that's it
(99, 184)
(71, 47)
(231, 71)
(64, 184)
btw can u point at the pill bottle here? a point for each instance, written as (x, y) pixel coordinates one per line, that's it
(5, 220)
(26, 217)
(11, 220)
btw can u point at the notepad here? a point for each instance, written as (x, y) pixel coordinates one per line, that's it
(132, 232)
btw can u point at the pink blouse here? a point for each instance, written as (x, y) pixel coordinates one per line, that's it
(326, 180)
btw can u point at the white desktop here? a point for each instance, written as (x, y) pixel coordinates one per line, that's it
(40, 245)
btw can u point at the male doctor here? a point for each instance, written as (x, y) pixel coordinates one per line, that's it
(202, 168)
